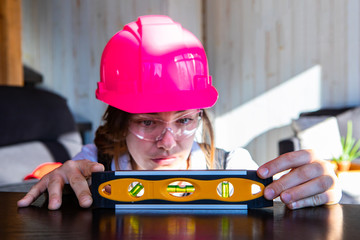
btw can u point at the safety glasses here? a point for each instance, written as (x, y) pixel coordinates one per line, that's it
(145, 127)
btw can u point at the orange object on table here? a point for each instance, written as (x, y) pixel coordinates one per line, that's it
(42, 170)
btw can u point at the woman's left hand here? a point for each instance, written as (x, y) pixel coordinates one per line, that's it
(310, 181)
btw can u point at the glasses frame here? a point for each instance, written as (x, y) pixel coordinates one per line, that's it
(169, 129)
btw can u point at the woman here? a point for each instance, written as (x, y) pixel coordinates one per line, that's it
(154, 77)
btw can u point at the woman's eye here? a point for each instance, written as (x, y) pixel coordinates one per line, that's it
(147, 123)
(184, 120)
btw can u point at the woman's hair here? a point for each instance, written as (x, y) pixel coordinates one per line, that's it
(110, 137)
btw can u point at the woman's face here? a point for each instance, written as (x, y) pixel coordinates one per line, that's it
(164, 149)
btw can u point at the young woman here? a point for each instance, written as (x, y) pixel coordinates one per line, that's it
(155, 79)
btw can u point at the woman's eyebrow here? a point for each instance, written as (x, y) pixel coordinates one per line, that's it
(156, 113)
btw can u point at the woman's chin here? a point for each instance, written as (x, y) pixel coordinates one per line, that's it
(170, 167)
(166, 168)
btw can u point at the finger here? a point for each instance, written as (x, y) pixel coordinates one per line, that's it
(294, 178)
(55, 186)
(285, 162)
(332, 196)
(77, 175)
(311, 188)
(81, 188)
(33, 194)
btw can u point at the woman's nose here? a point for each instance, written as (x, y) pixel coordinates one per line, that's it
(166, 140)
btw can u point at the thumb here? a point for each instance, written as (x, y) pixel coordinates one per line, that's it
(98, 167)
(87, 167)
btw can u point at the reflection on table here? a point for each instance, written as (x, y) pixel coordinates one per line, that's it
(195, 225)
(326, 222)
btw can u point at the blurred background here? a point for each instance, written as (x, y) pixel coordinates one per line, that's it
(270, 59)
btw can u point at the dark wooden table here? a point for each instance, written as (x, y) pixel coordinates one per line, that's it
(73, 222)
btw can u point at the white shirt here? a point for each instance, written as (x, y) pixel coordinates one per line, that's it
(239, 158)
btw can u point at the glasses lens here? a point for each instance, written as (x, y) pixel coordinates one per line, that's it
(151, 129)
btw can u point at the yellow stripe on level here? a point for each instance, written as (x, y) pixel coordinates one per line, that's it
(178, 189)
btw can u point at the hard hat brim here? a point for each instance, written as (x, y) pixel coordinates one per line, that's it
(172, 101)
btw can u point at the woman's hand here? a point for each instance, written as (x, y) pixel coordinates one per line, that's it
(75, 173)
(311, 181)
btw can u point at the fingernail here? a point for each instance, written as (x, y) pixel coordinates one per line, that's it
(99, 167)
(293, 205)
(263, 172)
(86, 202)
(286, 197)
(54, 205)
(269, 193)
(21, 203)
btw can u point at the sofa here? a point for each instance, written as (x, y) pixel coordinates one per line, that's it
(36, 127)
(322, 130)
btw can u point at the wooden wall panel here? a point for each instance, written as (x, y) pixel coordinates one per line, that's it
(11, 69)
(279, 40)
(353, 51)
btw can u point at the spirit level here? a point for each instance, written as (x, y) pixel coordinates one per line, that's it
(210, 189)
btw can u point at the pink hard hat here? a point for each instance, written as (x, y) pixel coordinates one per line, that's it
(155, 65)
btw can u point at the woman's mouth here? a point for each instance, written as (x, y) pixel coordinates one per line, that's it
(164, 160)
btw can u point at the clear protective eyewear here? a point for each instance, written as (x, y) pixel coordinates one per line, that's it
(152, 129)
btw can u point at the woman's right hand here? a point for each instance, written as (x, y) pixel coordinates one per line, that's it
(76, 173)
